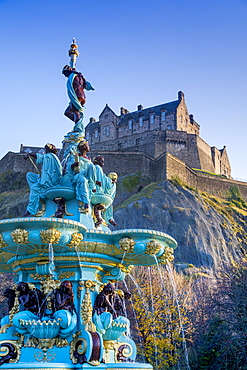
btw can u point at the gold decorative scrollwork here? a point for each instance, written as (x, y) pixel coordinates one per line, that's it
(73, 344)
(20, 236)
(66, 275)
(10, 350)
(4, 328)
(50, 236)
(2, 243)
(86, 306)
(127, 244)
(152, 247)
(167, 256)
(39, 277)
(75, 240)
(122, 350)
(60, 342)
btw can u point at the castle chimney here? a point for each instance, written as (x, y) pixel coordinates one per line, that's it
(123, 111)
(140, 107)
(180, 95)
(92, 120)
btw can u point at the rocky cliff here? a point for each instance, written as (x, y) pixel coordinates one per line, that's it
(211, 232)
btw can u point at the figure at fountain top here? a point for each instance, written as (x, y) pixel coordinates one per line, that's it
(76, 85)
(50, 176)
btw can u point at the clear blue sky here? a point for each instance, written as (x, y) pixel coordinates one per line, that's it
(133, 52)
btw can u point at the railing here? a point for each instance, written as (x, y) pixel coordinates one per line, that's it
(237, 179)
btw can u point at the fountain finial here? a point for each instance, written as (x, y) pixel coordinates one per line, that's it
(73, 53)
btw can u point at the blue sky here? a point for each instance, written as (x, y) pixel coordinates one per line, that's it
(133, 52)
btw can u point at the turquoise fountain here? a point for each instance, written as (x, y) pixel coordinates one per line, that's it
(65, 311)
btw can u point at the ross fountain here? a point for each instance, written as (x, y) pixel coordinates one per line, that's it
(64, 310)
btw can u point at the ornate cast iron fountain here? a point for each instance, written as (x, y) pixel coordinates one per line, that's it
(64, 310)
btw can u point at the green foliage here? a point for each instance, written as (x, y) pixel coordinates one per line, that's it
(146, 192)
(234, 196)
(176, 181)
(130, 182)
(157, 321)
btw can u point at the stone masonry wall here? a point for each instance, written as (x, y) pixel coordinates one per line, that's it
(214, 185)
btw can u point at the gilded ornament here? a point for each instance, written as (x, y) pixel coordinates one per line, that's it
(48, 285)
(4, 328)
(2, 243)
(75, 240)
(50, 236)
(82, 209)
(86, 306)
(16, 306)
(41, 211)
(39, 277)
(167, 256)
(11, 348)
(127, 269)
(127, 244)
(122, 352)
(32, 342)
(20, 236)
(66, 275)
(152, 247)
(60, 342)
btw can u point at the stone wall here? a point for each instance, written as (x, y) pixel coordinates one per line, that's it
(15, 162)
(214, 185)
(127, 163)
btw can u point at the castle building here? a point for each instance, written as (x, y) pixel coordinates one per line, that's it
(165, 128)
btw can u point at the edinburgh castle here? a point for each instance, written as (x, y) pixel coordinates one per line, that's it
(160, 143)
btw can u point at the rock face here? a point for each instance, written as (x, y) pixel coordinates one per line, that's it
(206, 236)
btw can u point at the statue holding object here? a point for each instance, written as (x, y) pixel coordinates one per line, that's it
(50, 176)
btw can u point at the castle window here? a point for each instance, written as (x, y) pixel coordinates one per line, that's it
(96, 134)
(104, 130)
(87, 136)
(140, 121)
(163, 116)
(152, 118)
(138, 141)
(107, 130)
(130, 124)
(169, 127)
(181, 118)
